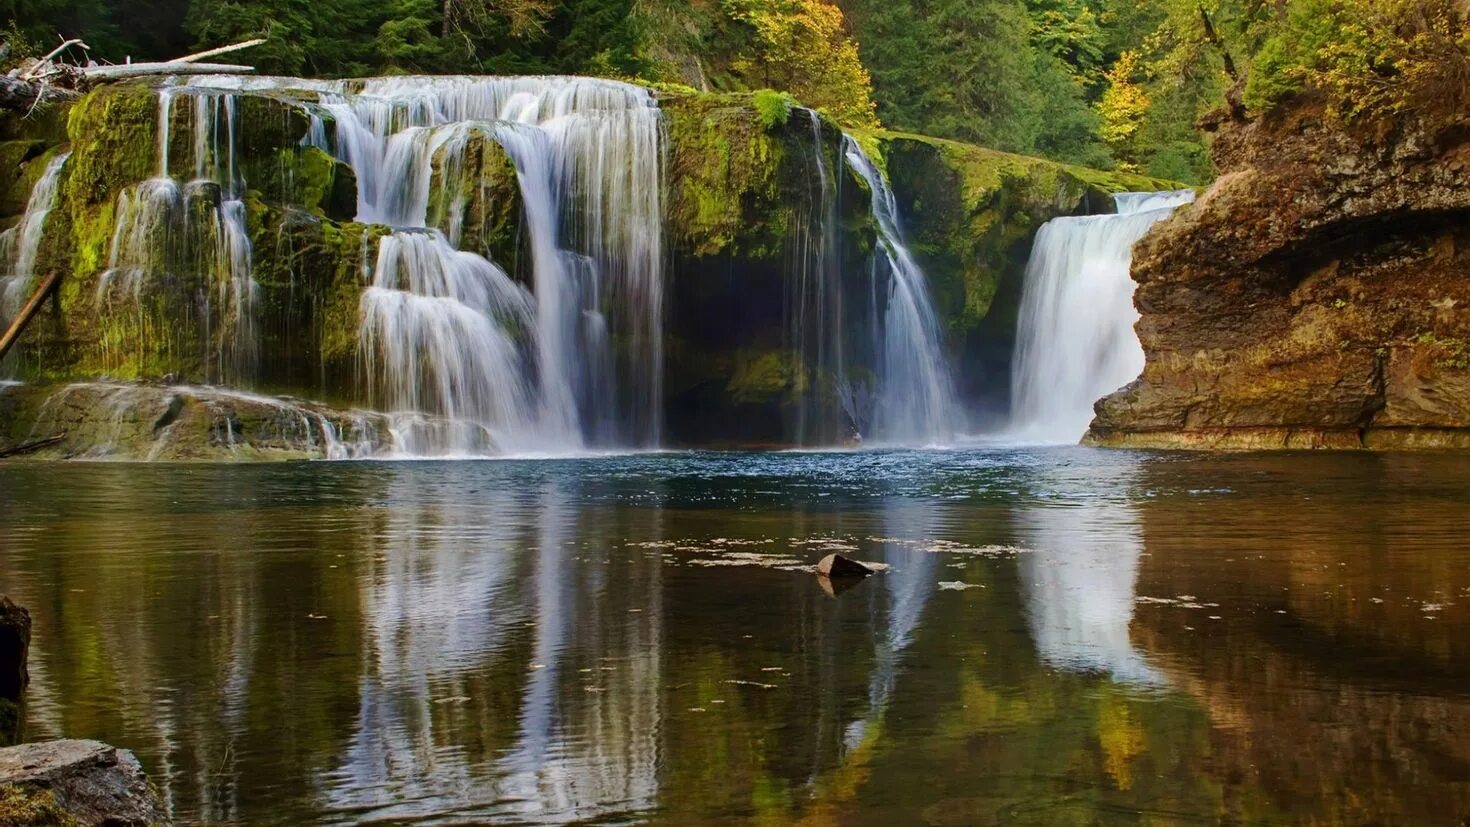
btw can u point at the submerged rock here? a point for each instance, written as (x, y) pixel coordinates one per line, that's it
(76, 782)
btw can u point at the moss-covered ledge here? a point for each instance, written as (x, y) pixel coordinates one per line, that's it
(967, 208)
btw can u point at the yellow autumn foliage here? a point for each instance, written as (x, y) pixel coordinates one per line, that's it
(802, 47)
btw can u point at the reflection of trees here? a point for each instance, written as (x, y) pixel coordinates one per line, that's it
(1327, 707)
(158, 635)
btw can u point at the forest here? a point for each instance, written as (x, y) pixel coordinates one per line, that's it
(1112, 84)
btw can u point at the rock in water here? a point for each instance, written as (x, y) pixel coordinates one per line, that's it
(85, 782)
(835, 566)
(15, 644)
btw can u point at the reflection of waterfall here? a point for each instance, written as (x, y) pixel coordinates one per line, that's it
(906, 590)
(491, 612)
(1076, 342)
(1080, 580)
(916, 401)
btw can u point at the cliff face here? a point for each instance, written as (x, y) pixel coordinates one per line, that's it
(1318, 295)
(743, 199)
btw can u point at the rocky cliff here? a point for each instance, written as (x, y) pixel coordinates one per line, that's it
(146, 295)
(1317, 295)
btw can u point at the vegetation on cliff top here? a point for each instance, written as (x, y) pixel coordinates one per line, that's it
(1102, 83)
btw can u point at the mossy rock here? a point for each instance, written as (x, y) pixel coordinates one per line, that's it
(30, 807)
(475, 199)
(114, 138)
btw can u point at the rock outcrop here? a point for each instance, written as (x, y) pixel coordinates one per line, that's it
(1318, 295)
(15, 644)
(108, 420)
(750, 181)
(82, 783)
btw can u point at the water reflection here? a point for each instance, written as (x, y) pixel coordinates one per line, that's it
(545, 642)
(1080, 577)
(899, 599)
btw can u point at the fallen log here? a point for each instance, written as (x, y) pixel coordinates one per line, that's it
(21, 95)
(143, 70)
(223, 50)
(33, 446)
(28, 312)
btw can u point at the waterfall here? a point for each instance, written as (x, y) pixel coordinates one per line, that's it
(1076, 342)
(20, 244)
(916, 402)
(190, 236)
(578, 359)
(815, 312)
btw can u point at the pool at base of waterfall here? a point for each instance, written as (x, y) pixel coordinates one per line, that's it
(1055, 635)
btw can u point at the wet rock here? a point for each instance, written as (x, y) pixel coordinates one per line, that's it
(15, 644)
(76, 782)
(837, 567)
(15, 640)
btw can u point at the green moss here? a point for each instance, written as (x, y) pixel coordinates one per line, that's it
(475, 197)
(765, 376)
(972, 212)
(113, 134)
(25, 807)
(18, 174)
(774, 107)
(737, 182)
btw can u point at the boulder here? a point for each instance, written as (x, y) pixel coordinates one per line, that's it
(15, 644)
(836, 567)
(76, 782)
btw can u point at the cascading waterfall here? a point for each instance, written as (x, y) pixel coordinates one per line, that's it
(578, 359)
(1076, 342)
(20, 244)
(916, 401)
(815, 323)
(191, 235)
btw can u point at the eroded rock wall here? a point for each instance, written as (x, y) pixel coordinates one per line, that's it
(1318, 295)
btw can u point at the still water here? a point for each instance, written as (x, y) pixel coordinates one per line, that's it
(1064, 636)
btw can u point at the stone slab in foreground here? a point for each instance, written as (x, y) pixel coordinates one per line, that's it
(75, 782)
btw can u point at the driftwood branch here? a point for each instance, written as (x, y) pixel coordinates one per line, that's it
(223, 50)
(32, 307)
(45, 62)
(33, 446)
(48, 80)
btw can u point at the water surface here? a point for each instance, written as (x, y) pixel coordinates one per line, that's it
(1064, 636)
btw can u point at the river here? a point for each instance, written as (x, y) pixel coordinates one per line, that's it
(1063, 635)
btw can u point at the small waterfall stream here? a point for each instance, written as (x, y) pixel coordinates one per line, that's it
(20, 245)
(916, 400)
(1076, 342)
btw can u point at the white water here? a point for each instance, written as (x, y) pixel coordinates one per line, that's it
(916, 401)
(190, 234)
(816, 324)
(1076, 342)
(449, 333)
(20, 244)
